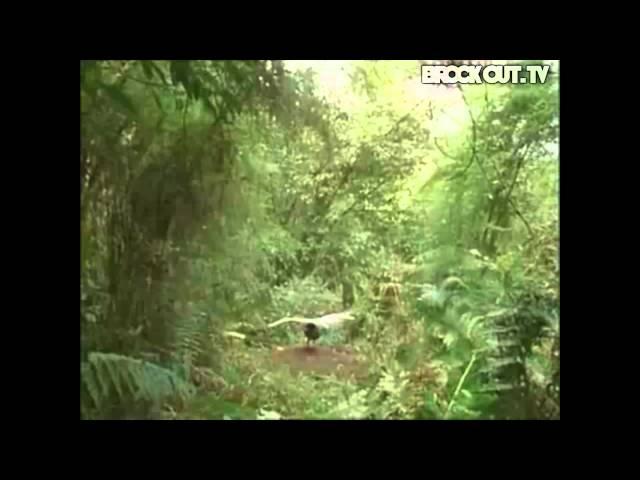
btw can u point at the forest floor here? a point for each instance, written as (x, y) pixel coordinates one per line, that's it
(321, 360)
(292, 373)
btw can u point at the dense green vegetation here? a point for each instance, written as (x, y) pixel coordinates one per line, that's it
(218, 197)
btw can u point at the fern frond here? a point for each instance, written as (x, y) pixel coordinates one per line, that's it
(108, 376)
(192, 338)
(91, 385)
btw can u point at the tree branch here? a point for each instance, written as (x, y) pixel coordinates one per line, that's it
(510, 190)
(524, 220)
(448, 155)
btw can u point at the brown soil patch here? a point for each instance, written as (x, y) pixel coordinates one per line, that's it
(320, 360)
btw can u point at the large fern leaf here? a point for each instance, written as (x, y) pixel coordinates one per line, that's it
(194, 344)
(189, 338)
(111, 377)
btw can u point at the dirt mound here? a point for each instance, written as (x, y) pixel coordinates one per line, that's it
(320, 360)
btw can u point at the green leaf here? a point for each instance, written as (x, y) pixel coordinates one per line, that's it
(87, 67)
(92, 387)
(90, 74)
(146, 68)
(449, 339)
(157, 100)
(101, 375)
(473, 323)
(195, 89)
(158, 71)
(210, 107)
(119, 98)
(180, 72)
(115, 377)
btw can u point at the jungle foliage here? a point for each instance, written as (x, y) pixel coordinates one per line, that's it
(219, 196)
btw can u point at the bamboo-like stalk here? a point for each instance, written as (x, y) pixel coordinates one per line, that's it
(460, 383)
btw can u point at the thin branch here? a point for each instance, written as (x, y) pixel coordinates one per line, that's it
(460, 383)
(518, 167)
(510, 200)
(508, 195)
(446, 154)
(524, 220)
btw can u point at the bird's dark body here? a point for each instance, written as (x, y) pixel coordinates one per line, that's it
(312, 332)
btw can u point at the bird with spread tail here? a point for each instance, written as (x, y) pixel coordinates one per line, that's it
(313, 327)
